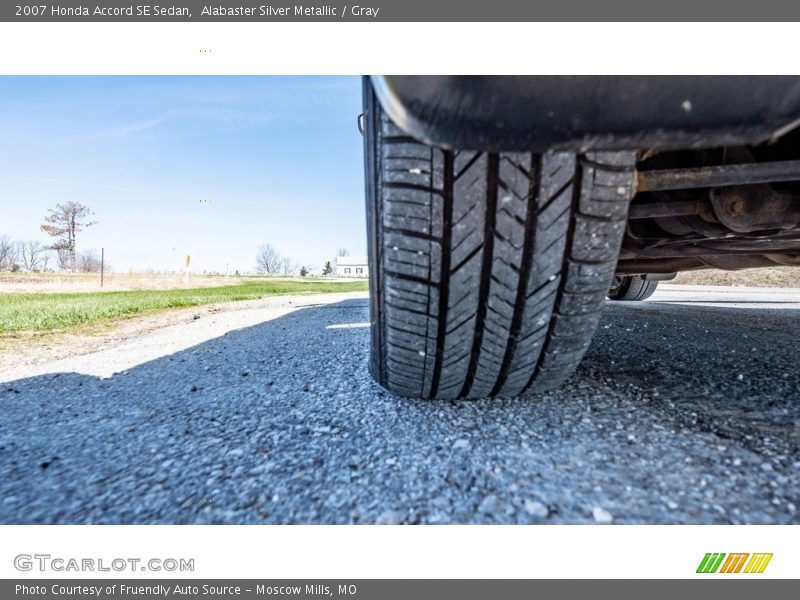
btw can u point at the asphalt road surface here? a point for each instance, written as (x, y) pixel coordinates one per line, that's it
(686, 409)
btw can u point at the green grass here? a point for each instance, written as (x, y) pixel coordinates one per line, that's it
(49, 312)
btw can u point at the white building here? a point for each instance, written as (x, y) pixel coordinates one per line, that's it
(351, 266)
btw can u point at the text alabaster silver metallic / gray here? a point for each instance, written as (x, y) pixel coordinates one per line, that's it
(407, 11)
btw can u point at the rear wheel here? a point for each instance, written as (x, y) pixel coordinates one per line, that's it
(631, 287)
(489, 271)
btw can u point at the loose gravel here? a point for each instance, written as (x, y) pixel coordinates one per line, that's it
(678, 414)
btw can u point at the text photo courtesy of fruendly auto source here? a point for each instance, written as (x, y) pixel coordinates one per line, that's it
(399, 300)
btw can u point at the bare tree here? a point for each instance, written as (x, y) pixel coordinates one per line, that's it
(32, 255)
(8, 253)
(88, 262)
(343, 252)
(268, 261)
(64, 222)
(64, 260)
(287, 268)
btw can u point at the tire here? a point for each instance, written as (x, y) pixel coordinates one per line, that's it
(631, 288)
(488, 271)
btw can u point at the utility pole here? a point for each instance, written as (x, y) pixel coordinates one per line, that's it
(102, 264)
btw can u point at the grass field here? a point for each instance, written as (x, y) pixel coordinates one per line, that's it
(33, 312)
(117, 282)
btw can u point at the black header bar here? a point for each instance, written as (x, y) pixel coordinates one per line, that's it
(402, 11)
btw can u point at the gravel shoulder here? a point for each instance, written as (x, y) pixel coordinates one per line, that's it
(26, 354)
(683, 411)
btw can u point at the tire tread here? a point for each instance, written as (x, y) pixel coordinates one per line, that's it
(491, 268)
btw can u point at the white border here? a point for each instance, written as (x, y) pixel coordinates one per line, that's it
(418, 48)
(424, 48)
(566, 551)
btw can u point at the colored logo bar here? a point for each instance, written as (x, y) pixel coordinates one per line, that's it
(737, 562)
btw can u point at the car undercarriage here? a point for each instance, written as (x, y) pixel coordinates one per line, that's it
(727, 208)
(504, 211)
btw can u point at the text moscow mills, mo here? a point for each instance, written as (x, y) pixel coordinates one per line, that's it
(185, 590)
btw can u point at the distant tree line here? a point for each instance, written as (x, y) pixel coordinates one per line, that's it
(34, 256)
(62, 223)
(270, 262)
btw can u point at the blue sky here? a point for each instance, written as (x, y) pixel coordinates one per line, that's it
(279, 158)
